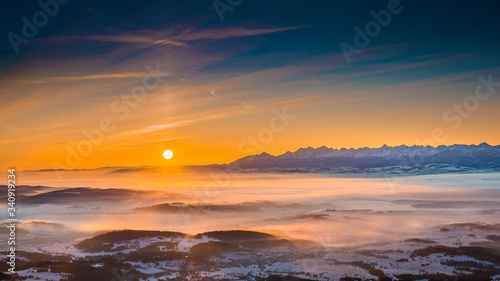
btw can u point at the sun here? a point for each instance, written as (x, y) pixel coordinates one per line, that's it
(168, 154)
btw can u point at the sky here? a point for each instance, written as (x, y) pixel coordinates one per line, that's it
(115, 83)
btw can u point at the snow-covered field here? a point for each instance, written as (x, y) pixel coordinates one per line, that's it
(246, 261)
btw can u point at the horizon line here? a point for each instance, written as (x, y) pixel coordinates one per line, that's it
(252, 155)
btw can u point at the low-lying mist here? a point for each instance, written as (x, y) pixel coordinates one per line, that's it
(335, 211)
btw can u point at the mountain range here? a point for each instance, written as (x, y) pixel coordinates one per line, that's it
(386, 159)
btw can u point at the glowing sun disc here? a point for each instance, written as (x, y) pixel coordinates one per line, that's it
(168, 154)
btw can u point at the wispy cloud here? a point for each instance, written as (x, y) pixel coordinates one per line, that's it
(148, 129)
(212, 92)
(84, 77)
(244, 103)
(170, 37)
(139, 39)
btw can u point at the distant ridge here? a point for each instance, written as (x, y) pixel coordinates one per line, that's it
(386, 159)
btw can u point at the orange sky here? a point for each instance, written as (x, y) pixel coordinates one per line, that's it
(208, 117)
(203, 129)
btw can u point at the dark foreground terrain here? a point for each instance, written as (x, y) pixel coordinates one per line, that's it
(455, 252)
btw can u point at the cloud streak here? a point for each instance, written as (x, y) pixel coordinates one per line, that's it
(151, 38)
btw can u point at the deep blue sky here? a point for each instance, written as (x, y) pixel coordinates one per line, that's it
(448, 27)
